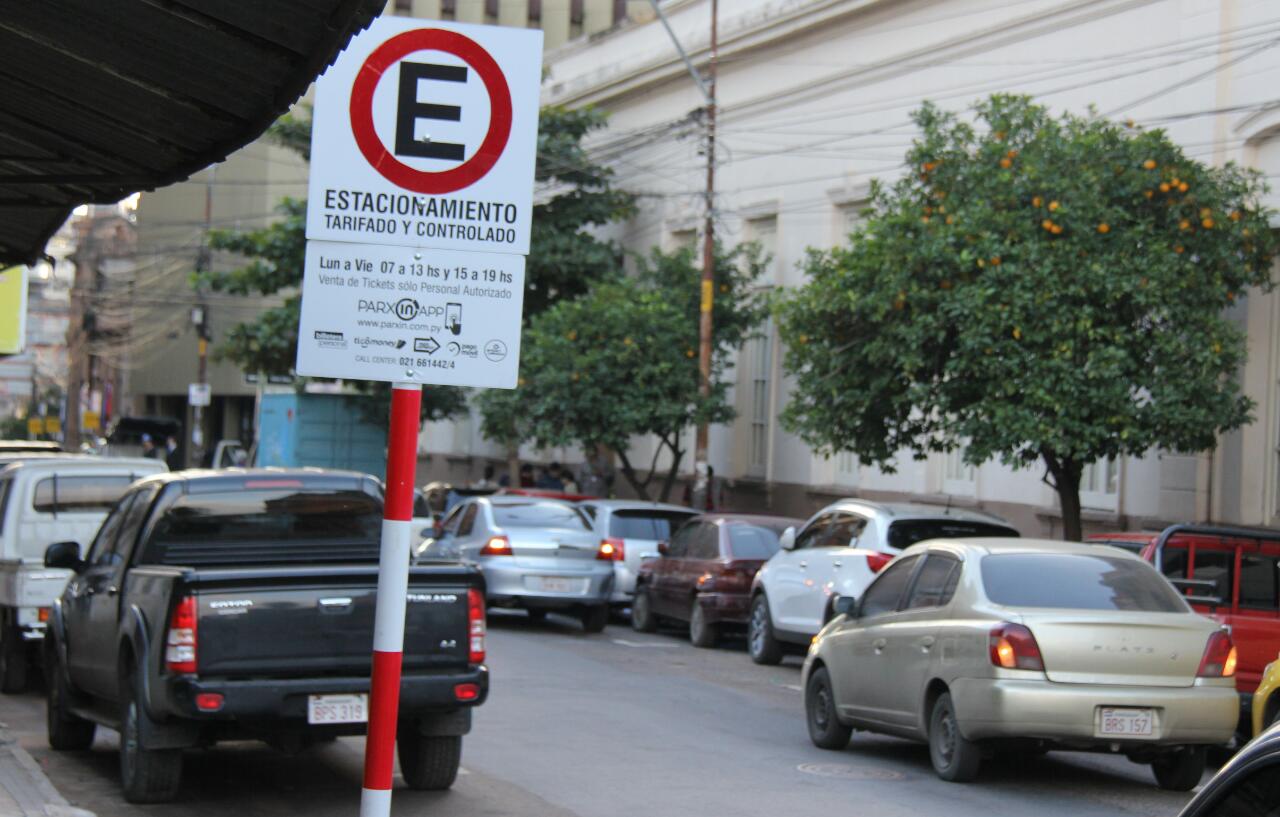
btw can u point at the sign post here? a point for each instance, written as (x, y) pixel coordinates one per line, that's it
(421, 198)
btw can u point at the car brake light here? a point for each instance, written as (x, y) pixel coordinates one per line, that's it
(496, 546)
(209, 701)
(180, 644)
(611, 550)
(877, 561)
(466, 692)
(1219, 659)
(1014, 647)
(476, 626)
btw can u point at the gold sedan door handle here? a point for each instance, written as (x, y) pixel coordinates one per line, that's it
(926, 643)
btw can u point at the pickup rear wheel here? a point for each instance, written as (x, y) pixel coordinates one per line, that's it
(67, 732)
(147, 775)
(429, 763)
(13, 660)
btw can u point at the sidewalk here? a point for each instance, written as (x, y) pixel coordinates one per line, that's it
(24, 789)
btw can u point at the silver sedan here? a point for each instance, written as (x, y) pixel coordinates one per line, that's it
(536, 554)
(982, 645)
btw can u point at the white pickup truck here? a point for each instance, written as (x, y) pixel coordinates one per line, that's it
(47, 499)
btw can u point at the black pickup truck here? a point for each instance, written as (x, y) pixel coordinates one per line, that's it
(230, 605)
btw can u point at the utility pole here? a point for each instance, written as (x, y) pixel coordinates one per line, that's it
(200, 318)
(707, 85)
(701, 468)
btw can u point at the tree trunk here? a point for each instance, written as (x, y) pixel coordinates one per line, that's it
(641, 488)
(1066, 481)
(667, 484)
(513, 464)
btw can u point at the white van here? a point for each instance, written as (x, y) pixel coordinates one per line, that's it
(45, 500)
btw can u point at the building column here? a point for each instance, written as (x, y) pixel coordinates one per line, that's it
(470, 11)
(426, 9)
(597, 15)
(555, 23)
(513, 13)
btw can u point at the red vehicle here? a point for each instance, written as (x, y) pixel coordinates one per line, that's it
(1231, 574)
(703, 575)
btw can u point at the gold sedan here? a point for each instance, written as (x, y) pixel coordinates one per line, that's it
(1266, 701)
(982, 645)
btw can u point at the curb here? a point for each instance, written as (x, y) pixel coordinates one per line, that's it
(24, 781)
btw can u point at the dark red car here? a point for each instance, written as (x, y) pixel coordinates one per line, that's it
(703, 575)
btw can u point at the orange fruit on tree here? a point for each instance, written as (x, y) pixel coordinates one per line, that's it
(1184, 225)
(995, 260)
(1005, 163)
(1149, 193)
(1179, 249)
(1104, 228)
(1037, 201)
(1164, 187)
(1235, 215)
(1017, 333)
(1053, 205)
(1057, 229)
(1182, 187)
(1149, 164)
(1207, 224)
(1047, 224)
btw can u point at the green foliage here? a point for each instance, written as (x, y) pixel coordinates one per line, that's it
(622, 361)
(1036, 288)
(564, 259)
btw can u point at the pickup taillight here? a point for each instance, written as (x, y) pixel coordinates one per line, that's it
(476, 626)
(180, 643)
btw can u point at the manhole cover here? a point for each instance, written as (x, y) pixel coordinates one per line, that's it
(846, 772)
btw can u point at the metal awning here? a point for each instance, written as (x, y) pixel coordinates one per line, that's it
(103, 99)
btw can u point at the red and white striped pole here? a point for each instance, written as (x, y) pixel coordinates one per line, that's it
(393, 585)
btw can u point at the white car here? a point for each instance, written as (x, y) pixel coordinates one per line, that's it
(837, 553)
(632, 530)
(46, 499)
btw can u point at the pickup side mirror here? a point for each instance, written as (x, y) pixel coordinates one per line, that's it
(663, 548)
(64, 555)
(846, 606)
(788, 539)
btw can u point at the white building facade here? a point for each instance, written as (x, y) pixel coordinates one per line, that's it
(815, 97)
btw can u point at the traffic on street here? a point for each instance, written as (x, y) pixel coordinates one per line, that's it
(640, 407)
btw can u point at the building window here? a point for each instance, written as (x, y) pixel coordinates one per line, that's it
(958, 476)
(846, 468)
(685, 240)
(760, 358)
(764, 231)
(404, 6)
(1100, 485)
(848, 217)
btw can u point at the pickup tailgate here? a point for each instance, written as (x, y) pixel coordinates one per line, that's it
(311, 622)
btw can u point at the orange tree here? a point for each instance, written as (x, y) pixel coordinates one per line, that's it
(1037, 288)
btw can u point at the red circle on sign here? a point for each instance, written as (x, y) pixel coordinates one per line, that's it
(399, 173)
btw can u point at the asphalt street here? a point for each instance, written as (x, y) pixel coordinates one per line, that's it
(619, 725)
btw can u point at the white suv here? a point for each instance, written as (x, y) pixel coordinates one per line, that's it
(837, 553)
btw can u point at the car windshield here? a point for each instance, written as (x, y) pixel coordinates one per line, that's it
(265, 526)
(539, 515)
(646, 524)
(907, 532)
(1077, 581)
(751, 541)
